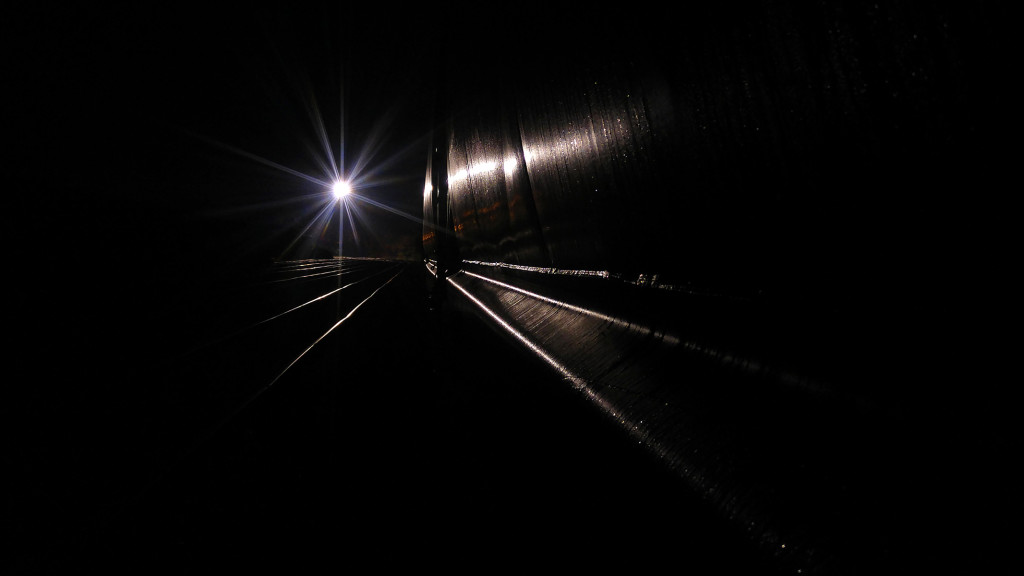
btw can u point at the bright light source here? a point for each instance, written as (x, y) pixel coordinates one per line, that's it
(341, 189)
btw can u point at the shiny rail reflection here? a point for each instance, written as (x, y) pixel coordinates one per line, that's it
(306, 281)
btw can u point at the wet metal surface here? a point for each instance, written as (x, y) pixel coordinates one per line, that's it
(805, 470)
(736, 234)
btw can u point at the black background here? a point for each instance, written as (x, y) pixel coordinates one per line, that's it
(137, 170)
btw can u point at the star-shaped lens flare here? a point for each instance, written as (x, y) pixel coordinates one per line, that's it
(341, 189)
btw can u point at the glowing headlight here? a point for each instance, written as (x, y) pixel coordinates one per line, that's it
(341, 189)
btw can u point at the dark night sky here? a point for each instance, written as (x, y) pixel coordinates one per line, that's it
(126, 176)
(135, 128)
(124, 124)
(127, 199)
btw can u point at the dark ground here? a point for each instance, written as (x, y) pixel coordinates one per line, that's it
(407, 439)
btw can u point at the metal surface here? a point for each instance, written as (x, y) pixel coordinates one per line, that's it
(729, 232)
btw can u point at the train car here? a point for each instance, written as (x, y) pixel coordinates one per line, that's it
(729, 230)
